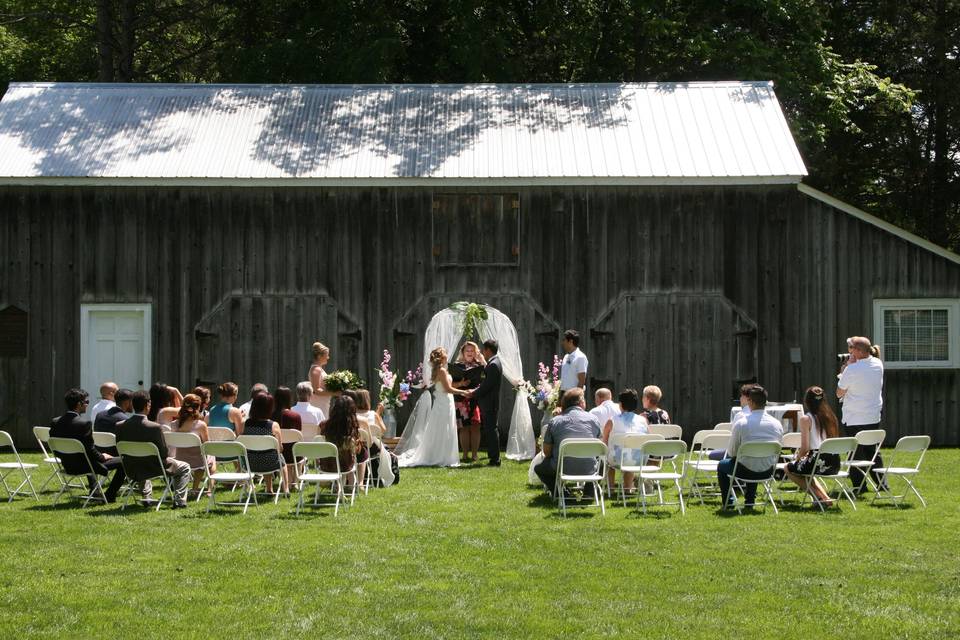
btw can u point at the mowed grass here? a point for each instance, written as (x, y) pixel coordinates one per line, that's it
(476, 553)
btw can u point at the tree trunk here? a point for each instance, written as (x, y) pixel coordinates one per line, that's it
(105, 40)
(128, 15)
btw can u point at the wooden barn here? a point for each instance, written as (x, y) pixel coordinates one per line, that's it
(187, 233)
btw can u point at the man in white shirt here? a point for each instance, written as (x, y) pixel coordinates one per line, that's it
(255, 390)
(107, 392)
(758, 426)
(604, 407)
(860, 389)
(310, 416)
(573, 370)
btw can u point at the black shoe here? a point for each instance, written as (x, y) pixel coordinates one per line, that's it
(493, 463)
(148, 502)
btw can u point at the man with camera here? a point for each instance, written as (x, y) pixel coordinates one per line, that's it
(860, 389)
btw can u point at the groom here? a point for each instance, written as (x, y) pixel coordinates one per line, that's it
(487, 396)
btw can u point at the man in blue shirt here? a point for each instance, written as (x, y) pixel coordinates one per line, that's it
(573, 422)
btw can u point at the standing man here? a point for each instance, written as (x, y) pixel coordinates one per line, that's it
(860, 389)
(573, 370)
(487, 396)
(107, 392)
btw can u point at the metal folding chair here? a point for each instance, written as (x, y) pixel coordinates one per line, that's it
(8, 468)
(905, 447)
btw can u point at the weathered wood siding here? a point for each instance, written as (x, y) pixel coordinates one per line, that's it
(657, 280)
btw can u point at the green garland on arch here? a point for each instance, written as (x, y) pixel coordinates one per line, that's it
(473, 314)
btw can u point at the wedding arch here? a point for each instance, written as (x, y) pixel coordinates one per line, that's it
(447, 329)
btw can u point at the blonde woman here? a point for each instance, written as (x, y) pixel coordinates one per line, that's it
(320, 397)
(467, 372)
(437, 446)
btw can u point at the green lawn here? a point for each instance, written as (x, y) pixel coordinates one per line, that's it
(475, 552)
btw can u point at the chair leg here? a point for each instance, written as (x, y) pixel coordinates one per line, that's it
(914, 489)
(846, 494)
(683, 509)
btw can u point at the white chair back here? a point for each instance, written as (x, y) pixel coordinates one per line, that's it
(182, 440)
(912, 444)
(320, 438)
(759, 449)
(723, 426)
(580, 448)
(668, 431)
(871, 437)
(221, 434)
(7, 441)
(289, 436)
(664, 448)
(698, 438)
(104, 439)
(315, 451)
(366, 438)
(309, 432)
(137, 449)
(258, 443)
(67, 446)
(843, 447)
(226, 450)
(791, 440)
(716, 440)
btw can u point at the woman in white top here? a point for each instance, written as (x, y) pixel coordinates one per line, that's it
(320, 397)
(628, 421)
(816, 425)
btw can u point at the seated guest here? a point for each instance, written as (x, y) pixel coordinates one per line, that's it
(164, 403)
(758, 426)
(310, 416)
(816, 425)
(261, 423)
(573, 422)
(361, 402)
(365, 413)
(624, 422)
(204, 394)
(189, 421)
(72, 425)
(107, 420)
(137, 428)
(343, 430)
(603, 406)
(720, 454)
(287, 418)
(107, 400)
(223, 413)
(651, 406)
(255, 390)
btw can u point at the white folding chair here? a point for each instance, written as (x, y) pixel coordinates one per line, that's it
(71, 447)
(668, 431)
(867, 438)
(133, 469)
(842, 447)
(788, 453)
(312, 453)
(367, 438)
(233, 451)
(591, 450)
(723, 426)
(700, 466)
(221, 434)
(266, 443)
(631, 442)
(104, 440)
(42, 434)
(668, 451)
(754, 449)
(906, 447)
(177, 440)
(291, 437)
(7, 468)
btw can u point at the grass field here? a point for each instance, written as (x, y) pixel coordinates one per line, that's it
(475, 553)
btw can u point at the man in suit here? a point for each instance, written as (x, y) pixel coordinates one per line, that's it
(107, 420)
(487, 396)
(137, 428)
(72, 425)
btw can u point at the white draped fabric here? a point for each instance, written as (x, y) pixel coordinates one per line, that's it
(446, 330)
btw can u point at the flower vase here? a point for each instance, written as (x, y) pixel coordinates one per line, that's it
(390, 422)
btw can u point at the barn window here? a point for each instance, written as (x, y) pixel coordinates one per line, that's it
(476, 229)
(13, 333)
(918, 334)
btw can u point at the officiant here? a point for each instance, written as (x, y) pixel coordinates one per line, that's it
(467, 373)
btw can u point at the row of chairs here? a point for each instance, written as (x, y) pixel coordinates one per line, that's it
(224, 445)
(696, 465)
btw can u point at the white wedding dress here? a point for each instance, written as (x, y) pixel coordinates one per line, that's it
(436, 445)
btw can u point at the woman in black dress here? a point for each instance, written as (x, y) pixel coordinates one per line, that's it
(467, 372)
(261, 423)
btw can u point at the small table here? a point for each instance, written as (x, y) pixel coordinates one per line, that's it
(781, 411)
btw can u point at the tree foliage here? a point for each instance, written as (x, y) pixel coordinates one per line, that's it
(868, 87)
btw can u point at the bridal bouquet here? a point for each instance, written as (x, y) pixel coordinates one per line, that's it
(393, 391)
(343, 380)
(545, 394)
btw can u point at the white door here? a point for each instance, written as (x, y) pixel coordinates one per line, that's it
(115, 346)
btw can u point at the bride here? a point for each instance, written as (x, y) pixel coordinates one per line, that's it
(437, 443)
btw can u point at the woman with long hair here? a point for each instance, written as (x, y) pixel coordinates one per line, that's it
(316, 375)
(261, 423)
(343, 429)
(189, 420)
(467, 373)
(287, 418)
(816, 425)
(165, 401)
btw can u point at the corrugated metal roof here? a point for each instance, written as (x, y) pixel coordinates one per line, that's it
(661, 133)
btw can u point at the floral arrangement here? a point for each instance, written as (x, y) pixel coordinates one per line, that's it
(545, 394)
(393, 391)
(343, 380)
(473, 315)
